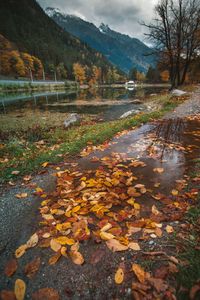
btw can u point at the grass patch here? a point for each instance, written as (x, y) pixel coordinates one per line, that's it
(26, 155)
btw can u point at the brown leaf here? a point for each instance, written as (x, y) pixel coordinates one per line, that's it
(20, 288)
(194, 290)
(159, 284)
(139, 286)
(115, 245)
(119, 276)
(7, 295)
(54, 258)
(161, 272)
(139, 272)
(172, 268)
(97, 256)
(32, 267)
(11, 267)
(46, 294)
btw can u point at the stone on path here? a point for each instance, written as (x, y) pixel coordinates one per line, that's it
(178, 93)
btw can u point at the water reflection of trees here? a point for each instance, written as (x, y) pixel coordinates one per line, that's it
(168, 134)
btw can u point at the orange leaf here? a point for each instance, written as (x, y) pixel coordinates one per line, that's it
(54, 258)
(139, 272)
(20, 251)
(77, 257)
(63, 240)
(119, 276)
(7, 295)
(46, 293)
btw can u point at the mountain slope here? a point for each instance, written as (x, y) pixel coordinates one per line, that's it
(26, 24)
(120, 49)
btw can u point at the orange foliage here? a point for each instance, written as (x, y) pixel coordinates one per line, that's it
(165, 75)
(79, 73)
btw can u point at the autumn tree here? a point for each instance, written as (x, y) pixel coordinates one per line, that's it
(174, 33)
(79, 73)
(17, 63)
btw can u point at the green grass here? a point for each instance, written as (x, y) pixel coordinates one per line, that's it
(23, 154)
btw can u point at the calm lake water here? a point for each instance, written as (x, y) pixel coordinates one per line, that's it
(105, 103)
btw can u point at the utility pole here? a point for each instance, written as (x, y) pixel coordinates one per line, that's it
(43, 74)
(31, 75)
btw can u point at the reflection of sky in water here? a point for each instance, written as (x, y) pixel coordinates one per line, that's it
(56, 101)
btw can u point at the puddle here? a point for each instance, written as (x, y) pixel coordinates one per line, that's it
(166, 148)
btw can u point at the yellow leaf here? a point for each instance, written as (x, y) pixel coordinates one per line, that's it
(136, 206)
(76, 208)
(139, 272)
(63, 240)
(63, 226)
(20, 288)
(106, 236)
(20, 251)
(119, 276)
(68, 213)
(45, 164)
(131, 201)
(39, 190)
(174, 192)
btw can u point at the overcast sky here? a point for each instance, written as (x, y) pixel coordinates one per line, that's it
(120, 15)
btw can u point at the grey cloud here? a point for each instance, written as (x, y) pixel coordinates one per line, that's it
(122, 16)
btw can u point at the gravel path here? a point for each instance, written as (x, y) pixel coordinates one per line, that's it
(190, 107)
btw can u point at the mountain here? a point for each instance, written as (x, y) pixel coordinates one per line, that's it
(26, 25)
(121, 50)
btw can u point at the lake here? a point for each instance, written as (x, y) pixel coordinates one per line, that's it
(104, 103)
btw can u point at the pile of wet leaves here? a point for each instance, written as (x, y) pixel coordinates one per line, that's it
(111, 204)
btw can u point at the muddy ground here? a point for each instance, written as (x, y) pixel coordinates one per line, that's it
(170, 139)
